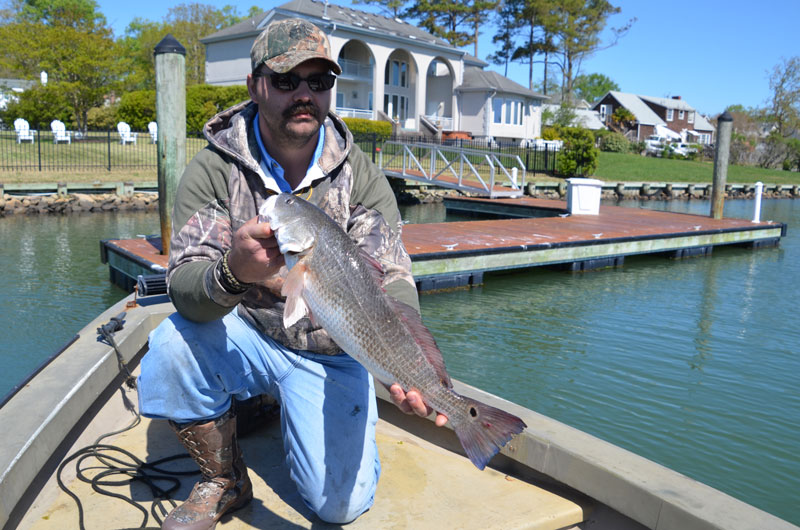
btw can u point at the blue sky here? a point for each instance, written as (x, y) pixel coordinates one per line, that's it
(712, 53)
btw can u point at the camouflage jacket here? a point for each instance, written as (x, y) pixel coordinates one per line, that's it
(222, 188)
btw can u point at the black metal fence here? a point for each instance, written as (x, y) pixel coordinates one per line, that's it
(107, 150)
(42, 150)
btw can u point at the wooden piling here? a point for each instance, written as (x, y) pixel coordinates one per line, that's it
(170, 68)
(721, 154)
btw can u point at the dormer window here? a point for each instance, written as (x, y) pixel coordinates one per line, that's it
(670, 114)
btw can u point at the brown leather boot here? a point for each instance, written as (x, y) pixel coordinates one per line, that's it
(224, 486)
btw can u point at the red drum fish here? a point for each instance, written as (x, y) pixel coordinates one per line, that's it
(338, 286)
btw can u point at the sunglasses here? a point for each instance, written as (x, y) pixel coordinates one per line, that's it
(289, 81)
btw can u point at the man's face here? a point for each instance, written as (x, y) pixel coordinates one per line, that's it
(290, 117)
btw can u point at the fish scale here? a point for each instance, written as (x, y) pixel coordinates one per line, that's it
(331, 280)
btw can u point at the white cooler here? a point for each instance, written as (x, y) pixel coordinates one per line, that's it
(583, 196)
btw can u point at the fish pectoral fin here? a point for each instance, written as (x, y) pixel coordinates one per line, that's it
(292, 289)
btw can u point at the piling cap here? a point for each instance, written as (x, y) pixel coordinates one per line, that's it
(286, 43)
(169, 44)
(725, 116)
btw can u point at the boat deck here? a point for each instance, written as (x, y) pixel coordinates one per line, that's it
(418, 479)
(455, 254)
(550, 476)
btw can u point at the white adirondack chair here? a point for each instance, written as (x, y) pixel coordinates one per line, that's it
(125, 134)
(153, 128)
(24, 133)
(60, 132)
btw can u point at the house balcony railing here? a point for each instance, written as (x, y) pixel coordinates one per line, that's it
(355, 69)
(347, 112)
(445, 122)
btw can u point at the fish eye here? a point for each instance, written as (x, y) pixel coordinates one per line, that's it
(290, 200)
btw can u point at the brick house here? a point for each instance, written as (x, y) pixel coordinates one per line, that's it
(671, 117)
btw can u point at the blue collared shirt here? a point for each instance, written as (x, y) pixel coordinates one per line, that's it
(272, 168)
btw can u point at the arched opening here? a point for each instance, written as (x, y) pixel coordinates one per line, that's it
(354, 87)
(439, 94)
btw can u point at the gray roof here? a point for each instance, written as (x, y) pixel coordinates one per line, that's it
(702, 124)
(586, 118)
(669, 103)
(342, 16)
(11, 84)
(639, 108)
(478, 79)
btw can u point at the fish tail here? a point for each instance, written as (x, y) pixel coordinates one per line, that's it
(486, 432)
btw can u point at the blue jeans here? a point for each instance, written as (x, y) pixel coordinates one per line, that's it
(328, 409)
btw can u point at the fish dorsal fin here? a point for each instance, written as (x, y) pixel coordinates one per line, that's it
(292, 289)
(423, 337)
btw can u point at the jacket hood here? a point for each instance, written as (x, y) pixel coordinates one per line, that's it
(231, 131)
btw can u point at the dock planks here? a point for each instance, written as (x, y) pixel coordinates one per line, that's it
(458, 253)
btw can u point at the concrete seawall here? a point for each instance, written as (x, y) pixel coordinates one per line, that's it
(78, 202)
(44, 199)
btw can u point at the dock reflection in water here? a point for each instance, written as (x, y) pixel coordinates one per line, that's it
(690, 363)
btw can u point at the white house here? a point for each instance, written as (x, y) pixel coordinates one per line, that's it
(392, 70)
(11, 88)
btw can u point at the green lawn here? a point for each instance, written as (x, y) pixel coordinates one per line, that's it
(98, 157)
(630, 167)
(89, 161)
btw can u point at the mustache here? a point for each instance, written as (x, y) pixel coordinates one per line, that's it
(301, 108)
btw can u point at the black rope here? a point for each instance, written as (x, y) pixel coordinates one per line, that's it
(115, 462)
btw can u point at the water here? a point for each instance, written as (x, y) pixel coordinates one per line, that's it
(693, 364)
(53, 283)
(690, 363)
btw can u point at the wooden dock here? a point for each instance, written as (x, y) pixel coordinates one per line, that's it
(455, 254)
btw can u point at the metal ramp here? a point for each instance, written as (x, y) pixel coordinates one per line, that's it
(477, 171)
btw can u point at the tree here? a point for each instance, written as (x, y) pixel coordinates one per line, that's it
(390, 8)
(578, 30)
(456, 21)
(188, 23)
(69, 39)
(593, 86)
(536, 20)
(746, 134)
(782, 115)
(508, 25)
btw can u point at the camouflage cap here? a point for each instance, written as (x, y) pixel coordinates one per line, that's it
(286, 43)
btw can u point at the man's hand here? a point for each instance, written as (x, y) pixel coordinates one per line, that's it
(255, 255)
(411, 403)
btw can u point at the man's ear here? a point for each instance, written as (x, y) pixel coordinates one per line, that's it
(251, 87)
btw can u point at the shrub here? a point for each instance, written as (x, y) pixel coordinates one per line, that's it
(137, 109)
(551, 133)
(578, 156)
(102, 118)
(360, 126)
(203, 102)
(40, 105)
(614, 142)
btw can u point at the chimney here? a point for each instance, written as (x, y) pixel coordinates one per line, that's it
(676, 97)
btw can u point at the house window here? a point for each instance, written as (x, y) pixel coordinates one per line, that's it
(691, 117)
(396, 106)
(605, 111)
(670, 114)
(680, 114)
(339, 100)
(497, 110)
(396, 73)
